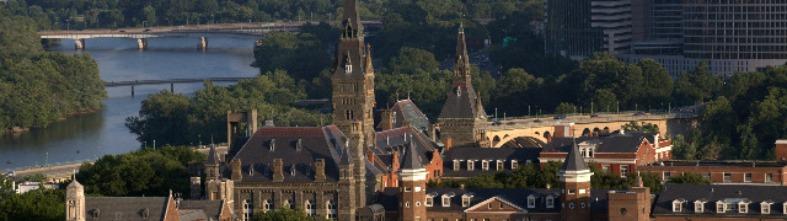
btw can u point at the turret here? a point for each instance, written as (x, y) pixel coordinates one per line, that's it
(575, 176)
(347, 192)
(412, 185)
(75, 201)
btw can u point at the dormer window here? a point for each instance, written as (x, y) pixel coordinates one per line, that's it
(550, 201)
(265, 206)
(721, 207)
(272, 145)
(485, 165)
(466, 199)
(458, 91)
(348, 68)
(765, 207)
(514, 164)
(429, 201)
(446, 199)
(784, 208)
(677, 205)
(743, 207)
(699, 206)
(499, 165)
(457, 165)
(470, 165)
(531, 202)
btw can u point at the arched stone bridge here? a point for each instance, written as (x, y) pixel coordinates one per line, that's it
(495, 134)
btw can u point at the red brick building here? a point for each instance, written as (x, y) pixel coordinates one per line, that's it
(389, 147)
(619, 154)
(724, 172)
(681, 202)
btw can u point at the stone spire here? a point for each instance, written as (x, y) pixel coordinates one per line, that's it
(462, 65)
(351, 21)
(367, 64)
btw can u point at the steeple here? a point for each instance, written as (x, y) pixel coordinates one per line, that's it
(462, 65)
(367, 64)
(351, 21)
(574, 161)
(575, 176)
(412, 160)
(412, 180)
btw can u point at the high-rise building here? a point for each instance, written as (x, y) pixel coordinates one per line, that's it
(577, 29)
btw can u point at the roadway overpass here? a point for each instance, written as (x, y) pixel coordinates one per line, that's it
(142, 34)
(497, 133)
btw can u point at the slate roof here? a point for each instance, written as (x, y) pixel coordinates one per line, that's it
(713, 193)
(316, 143)
(388, 141)
(574, 162)
(407, 112)
(210, 208)
(522, 155)
(388, 198)
(412, 159)
(125, 208)
(617, 143)
(461, 103)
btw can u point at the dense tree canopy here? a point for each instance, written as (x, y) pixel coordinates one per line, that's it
(37, 87)
(164, 115)
(145, 172)
(282, 215)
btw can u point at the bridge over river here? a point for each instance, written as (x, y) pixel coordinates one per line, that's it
(142, 34)
(498, 133)
(171, 82)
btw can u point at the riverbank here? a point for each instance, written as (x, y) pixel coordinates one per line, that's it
(18, 131)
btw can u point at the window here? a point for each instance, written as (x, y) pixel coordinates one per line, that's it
(446, 199)
(429, 201)
(765, 207)
(699, 206)
(499, 165)
(265, 206)
(677, 205)
(514, 164)
(330, 209)
(571, 205)
(571, 191)
(624, 170)
(727, 177)
(531, 202)
(485, 165)
(666, 176)
(784, 208)
(466, 199)
(743, 207)
(721, 207)
(457, 165)
(470, 165)
(747, 177)
(246, 215)
(550, 202)
(768, 177)
(308, 208)
(706, 176)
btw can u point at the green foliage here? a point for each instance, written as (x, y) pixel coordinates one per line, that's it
(565, 108)
(697, 86)
(412, 61)
(641, 127)
(652, 181)
(144, 172)
(163, 115)
(37, 87)
(303, 55)
(282, 215)
(689, 178)
(44, 205)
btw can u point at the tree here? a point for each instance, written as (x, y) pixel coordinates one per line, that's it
(689, 178)
(39, 204)
(697, 85)
(656, 84)
(413, 60)
(565, 108)
(605, 101)
(282, 215)
(641, 127)
(515, 90)
(162, 119)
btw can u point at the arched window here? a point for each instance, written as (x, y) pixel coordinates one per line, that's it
(266, 206)
(309, 209)
(330, 210)
(246, 214)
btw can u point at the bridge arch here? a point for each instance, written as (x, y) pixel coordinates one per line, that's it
(500, 137)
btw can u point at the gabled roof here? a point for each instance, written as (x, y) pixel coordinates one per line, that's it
(574, 162)
(272, 143)
(211, 208)
(615, 143)
(388, 141)
(462, 101)
(406, 112)
(496, 198)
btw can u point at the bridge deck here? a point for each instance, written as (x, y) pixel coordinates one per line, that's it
(172, 81)
(532, 122)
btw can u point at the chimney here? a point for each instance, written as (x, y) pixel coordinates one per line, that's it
(388, 120)
(319, 170)
(278, 170)
(251, 119)
(781, 149)
(237, 174)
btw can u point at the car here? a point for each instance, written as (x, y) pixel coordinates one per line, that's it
(122, 31)
(560, 117)
(147, 29)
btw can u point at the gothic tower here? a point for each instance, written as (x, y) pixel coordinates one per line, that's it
(412, 186)
(462, 113)
(575, 176)
(353, 78)
(75, 201)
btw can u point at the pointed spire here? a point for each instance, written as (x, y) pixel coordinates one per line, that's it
(213, 157)
(574, 162)
(352, 21)
(412, 160)
(369, 67)
(462, 65)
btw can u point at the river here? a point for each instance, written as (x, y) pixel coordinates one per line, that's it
(94, 135)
